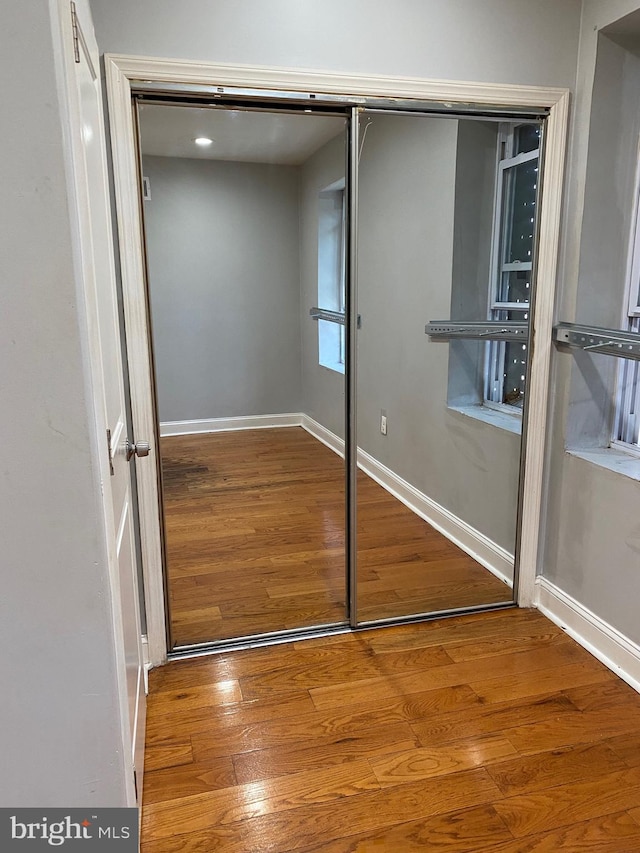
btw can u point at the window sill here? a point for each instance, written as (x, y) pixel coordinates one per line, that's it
(335, 367)
(612, 458)
(502, 420)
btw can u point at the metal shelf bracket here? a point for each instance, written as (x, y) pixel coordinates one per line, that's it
(331, 316)
(492, 330)
(325, 314)
(598, 339)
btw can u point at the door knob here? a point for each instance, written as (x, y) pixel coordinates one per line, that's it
(138, 448)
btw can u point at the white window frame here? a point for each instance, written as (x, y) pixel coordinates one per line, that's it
(496, 350)
(331, 336)
(626, 422)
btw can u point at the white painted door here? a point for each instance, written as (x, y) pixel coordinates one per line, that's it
(90, 178)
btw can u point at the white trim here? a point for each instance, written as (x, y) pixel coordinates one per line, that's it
(88, 314)
(324, 435)
(490, 555)
(186, 71)
(121, 70)
(227, 424)
(123, 146)
(540, 353)
(147, 663)
(605, 642)
(478, 546)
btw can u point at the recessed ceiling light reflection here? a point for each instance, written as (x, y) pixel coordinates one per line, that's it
(203, 140)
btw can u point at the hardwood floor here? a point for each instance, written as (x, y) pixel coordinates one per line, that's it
(491, 733)
(255, 540)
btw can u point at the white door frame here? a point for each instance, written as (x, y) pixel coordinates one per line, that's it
(122, 71)
(65, 32)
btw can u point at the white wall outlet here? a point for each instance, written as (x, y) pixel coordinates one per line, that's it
(383, 424)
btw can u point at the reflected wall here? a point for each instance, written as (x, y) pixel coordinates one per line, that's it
(240, 246)
(426, 244)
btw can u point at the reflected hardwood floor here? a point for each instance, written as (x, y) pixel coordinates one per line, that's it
(255, 540)
(490, 733)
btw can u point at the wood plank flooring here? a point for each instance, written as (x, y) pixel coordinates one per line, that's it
(255, 540)
(491, 733)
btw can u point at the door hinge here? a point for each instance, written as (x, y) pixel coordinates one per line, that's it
(76, 37)
(110, 454)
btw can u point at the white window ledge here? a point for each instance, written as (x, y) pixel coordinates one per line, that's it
(335, 366)
(495, 417)
(612, 458)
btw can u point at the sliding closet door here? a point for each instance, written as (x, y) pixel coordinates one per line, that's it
(244, 216)
(445, 231)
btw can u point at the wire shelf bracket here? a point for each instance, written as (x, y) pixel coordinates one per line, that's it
(490, 330)
(598, 339)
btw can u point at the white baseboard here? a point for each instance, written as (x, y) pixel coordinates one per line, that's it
(226, 424)
(330, 439)
(494, 558)
(146, 663)
(605, 642)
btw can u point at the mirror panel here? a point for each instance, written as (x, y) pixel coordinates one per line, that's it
(445, 225)
(247, 250)
(244, 237)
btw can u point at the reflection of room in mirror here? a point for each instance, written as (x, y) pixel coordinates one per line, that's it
(450, 452)
(248, 241)
(244, 237)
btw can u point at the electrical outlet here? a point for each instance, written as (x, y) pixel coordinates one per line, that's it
(383, 424)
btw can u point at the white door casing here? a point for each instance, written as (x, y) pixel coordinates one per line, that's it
(122, 71)
(91, 220)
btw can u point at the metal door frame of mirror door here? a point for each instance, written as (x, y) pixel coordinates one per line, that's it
(355, 149)
(352, 118)
(352, 115)
(268, 107)
(177, 80)
(247, 100)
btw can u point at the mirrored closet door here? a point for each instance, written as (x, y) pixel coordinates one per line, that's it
(446, 219)
(244, 217)
(339, 301)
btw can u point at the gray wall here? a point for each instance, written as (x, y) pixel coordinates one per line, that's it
(405, 251)
(472, 234)
(606, 225)
(323, 389)
(425, 222)
(506, 41)
(59, 713)
(222, 242)
(592, 528)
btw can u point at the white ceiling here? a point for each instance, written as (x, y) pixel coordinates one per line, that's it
(248, 137)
